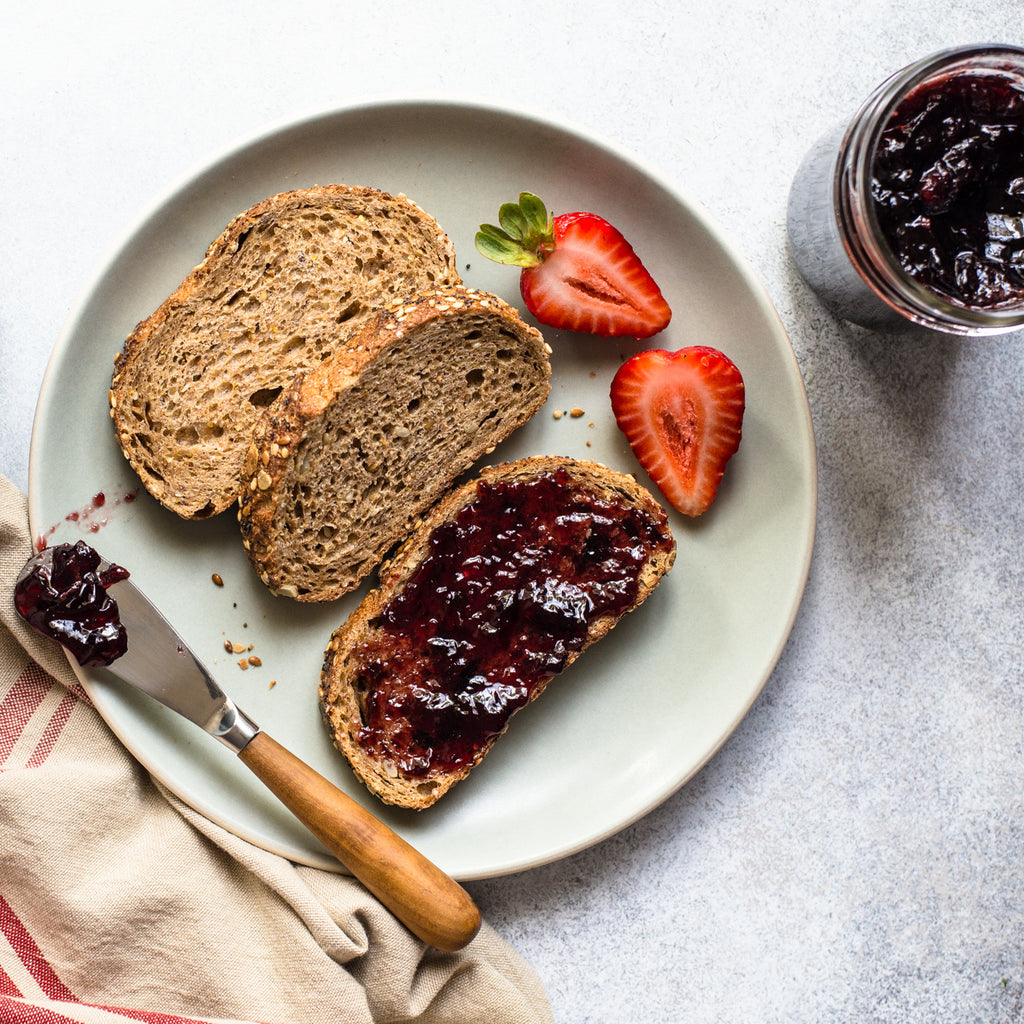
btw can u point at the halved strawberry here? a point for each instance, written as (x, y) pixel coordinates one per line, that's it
(578, 272)
(682, 413)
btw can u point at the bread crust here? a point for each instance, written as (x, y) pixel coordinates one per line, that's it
(340, 702)
(299, 451)
(179, 411)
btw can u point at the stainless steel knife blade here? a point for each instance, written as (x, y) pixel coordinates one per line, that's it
(160, 663)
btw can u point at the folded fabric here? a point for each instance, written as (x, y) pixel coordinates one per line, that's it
(118, 901)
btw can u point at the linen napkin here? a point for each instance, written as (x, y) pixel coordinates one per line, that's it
(118, 901)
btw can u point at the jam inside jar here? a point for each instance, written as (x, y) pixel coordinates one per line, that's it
(505, 594)
(948, 188)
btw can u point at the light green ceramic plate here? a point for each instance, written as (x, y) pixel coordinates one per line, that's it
(642, 711)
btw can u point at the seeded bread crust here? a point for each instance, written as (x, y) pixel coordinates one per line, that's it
(354, 450)
(341, 699)
(278, 290)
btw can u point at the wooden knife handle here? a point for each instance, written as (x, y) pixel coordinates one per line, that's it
(431, 905)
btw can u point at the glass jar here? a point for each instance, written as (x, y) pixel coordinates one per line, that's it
(841, 232)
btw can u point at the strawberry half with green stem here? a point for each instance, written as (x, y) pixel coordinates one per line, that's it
(682, 413)
(578, 272)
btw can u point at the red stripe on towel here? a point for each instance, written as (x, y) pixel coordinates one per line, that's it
(149, 1018)
(15, 1011)
(19, 1011)
(7, 987)
(52, 731)
(31, 956)
(19, 705)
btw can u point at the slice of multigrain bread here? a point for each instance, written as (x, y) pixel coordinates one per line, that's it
(502, 585)
(283, 285)
(355, 449)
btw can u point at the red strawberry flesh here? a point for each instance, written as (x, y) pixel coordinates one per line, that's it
(593, 282)
(682, 413)
(578, 272)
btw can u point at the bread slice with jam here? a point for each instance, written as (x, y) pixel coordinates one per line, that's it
(501, 586)
(284, 284)
(357, 448)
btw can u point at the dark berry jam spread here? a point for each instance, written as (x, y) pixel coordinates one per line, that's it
(948, 187)
(64, 596)
(505, 594)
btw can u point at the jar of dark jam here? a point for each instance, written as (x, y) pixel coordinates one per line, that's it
(913, 213)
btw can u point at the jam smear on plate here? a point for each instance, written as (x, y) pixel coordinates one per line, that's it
(948, 188)
(505, 594)
(64, 597)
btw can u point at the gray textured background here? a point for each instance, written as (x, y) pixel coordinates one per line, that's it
(854, 852)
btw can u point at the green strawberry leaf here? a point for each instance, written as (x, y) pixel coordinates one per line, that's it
(524, 237)
(536, 214)
(497, 245)
(512, 219)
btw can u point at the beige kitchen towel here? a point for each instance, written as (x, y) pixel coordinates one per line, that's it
(117, 901)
